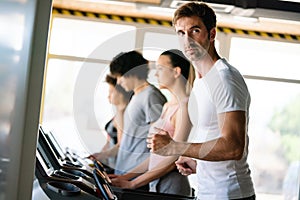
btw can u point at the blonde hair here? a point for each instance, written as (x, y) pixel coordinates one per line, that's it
(190, 80)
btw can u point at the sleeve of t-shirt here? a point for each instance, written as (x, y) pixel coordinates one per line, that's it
(154, 106)
(231, 93)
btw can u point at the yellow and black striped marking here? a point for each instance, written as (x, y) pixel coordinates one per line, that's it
(169, 24)
(259, 33)
(112, 17)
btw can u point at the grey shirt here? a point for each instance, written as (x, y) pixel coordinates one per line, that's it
(143, 109)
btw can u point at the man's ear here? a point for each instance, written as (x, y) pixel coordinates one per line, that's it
(177, 71)
(212, 34)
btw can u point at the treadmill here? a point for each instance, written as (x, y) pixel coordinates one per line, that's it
(58, 168)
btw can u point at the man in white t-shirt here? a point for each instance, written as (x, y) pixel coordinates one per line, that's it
(218, 109)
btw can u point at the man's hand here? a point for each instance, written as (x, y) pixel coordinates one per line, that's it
(122, 183)
(111, 176)
(161, 143)
(186, 166)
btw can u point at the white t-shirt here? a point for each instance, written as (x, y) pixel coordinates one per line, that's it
(222, 89)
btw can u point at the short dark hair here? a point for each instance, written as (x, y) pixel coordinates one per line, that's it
(199, 9)
(111, 80)
(130, 63)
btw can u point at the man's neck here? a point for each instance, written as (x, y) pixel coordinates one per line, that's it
(140, 86)
(204, 65)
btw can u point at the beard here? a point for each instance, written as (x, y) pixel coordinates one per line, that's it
(195, 52)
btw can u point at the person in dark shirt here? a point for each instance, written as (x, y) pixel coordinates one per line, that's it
(118, 97)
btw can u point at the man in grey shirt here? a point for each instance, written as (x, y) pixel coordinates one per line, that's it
(131, 70)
